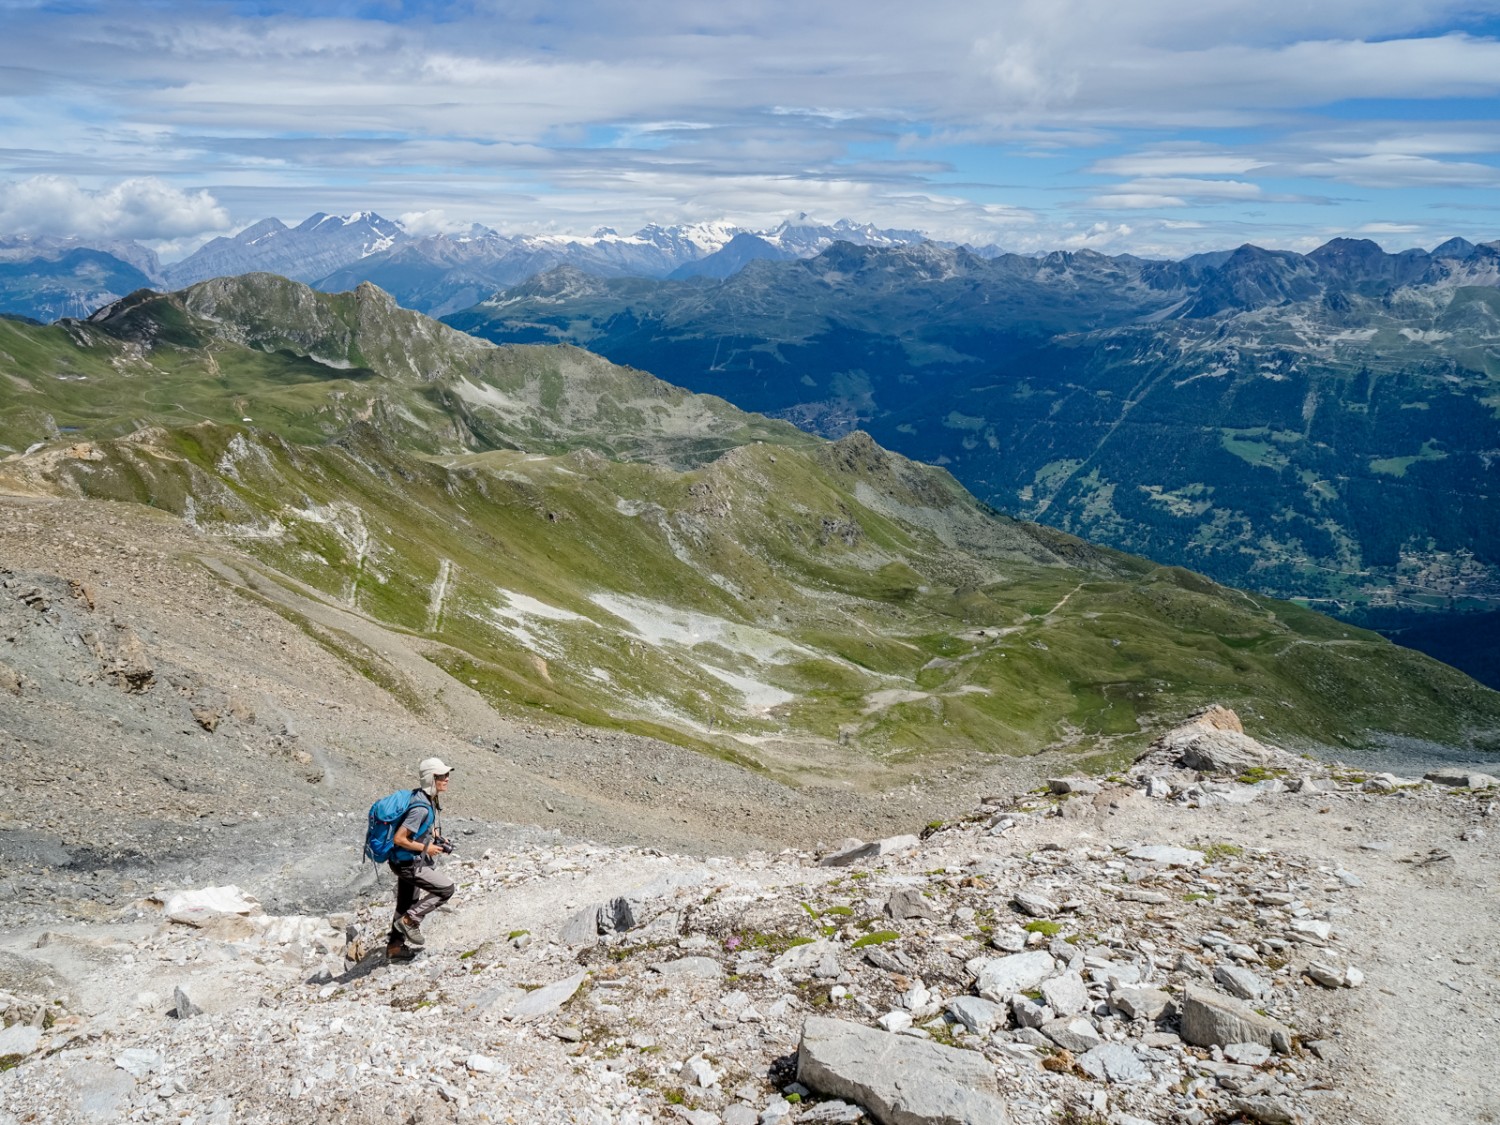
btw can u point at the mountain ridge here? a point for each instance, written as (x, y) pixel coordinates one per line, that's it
(585, 540)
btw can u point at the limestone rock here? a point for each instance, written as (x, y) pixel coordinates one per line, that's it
(854, 850)
(194, 908)
(1210, 1019)
(1065, 785)
(1000, 978)
(1066, 995)
(1462, 778)
(546, 1000)
(979, 1015)
(705, 967)
(183, 1005)
(1038, 906)
(907, 902)
(1114, 1062)
(1241, 983)
(19, 1039)
(1140, 1003)
(1167, 856)
(1077, 1034)
(898, 1080)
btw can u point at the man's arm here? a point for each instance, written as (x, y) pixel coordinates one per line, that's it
(404, 841)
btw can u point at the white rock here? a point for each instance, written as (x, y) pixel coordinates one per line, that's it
(895, 1021)
(1167, 855)
(19, 1039)
(700, 1072)
(197, 907)
(1001, 978)
(1066, 995)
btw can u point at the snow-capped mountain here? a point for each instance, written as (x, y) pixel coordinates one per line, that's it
(443, 273)
(315, 248)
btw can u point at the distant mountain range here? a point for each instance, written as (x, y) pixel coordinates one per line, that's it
(1316, 425)
(435, 274)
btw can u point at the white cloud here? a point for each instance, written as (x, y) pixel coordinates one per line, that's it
(140, 208)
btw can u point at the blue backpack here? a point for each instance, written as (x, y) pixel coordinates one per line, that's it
(386, 816)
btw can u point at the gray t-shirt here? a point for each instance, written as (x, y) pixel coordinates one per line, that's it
(421, 810)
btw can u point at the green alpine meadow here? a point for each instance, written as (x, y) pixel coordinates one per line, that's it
(580, 540)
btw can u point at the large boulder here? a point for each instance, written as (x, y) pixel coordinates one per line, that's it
(1000, 978)
(1211, 1019)
(897, 1079)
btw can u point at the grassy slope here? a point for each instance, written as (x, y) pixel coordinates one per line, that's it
(784, 590)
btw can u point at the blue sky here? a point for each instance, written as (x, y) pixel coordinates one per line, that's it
(1160, 127)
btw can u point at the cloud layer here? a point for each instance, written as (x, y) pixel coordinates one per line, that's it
(1027, 122)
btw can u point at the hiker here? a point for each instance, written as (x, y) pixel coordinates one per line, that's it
(420, 887)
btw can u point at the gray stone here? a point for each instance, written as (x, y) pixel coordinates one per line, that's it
(581, 928)
(138, 1061)
(697, 1116)
(1210, 1019)
(1066, 995)
(1240, 982)
(1063, 785)
(1247, 1054)
(19, 1039)
(1077, 1034)
(1265, 1110)
(1150, 898)
(835, 1112)
(979, 1015)
(1114, 1062)
(1462, 779)
(855, 850)
(1220, 751)
(1038, 906)
(1158, 787)
(1000, 978)
(908, 902)
(1310, 931)
(620, 914)
(740, 1114)
(891, 960)
(705, 967)
(1029, 1013)
(1326, 975)
(1312, 786)
(898, 1080)
(546, 1000)
(1167, 855)
(183, 1005)
(1140, 1003)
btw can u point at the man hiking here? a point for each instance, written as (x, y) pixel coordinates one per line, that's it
(420, 887)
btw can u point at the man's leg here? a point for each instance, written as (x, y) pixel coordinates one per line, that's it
(406, 892)
(436, 889)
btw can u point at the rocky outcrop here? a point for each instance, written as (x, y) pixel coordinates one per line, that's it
(899, 1081)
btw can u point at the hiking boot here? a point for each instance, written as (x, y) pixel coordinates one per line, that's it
(397, 952)
(411, 931)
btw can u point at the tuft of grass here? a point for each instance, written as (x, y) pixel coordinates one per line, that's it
(879, 937)
(1043, 926)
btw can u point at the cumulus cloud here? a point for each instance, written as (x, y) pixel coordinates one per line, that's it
(141, 208)
(984, 124)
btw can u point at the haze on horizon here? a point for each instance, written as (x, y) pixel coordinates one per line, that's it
(1161, 127)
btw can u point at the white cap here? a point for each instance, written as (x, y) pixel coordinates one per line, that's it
(429, 770)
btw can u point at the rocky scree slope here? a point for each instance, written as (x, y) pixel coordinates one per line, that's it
(1175, 945)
